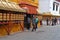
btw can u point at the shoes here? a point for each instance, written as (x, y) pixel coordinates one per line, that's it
(33, 30)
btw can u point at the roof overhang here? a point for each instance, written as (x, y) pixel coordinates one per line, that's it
(47, 14)
(10, 6)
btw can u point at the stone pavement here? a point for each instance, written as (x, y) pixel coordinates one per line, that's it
(43, 33)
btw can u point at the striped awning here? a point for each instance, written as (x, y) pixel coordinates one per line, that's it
(11, 6)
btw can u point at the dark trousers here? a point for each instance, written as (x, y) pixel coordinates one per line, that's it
(54, 23)
(47, 23)
(34, 27)
(28, 26)
(40, 22)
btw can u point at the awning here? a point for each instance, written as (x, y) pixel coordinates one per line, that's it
(17, 7)
(47, 14)
(38, 11)
(11, 6)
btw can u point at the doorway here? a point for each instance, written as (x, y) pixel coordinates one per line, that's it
(27, 23)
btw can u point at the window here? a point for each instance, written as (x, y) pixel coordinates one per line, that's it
(53, 6)
(56, 7)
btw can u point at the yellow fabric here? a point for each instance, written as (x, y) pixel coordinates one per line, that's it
(13, 29)
(4, 31)
(38, 25)
(16, 1)
(11, 6)
(16, 28)
(47, 13)
(31, 2)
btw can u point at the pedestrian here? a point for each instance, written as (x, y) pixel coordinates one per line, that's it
(34, 23)
(55, 21)
(40, 22)
(28, 23)
(52, 21)
(47, 20)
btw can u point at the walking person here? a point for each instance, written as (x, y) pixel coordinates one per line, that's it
(28, 23)
(34, 23)
(40, 22)
(55, 21)
(52, 21)
(47, 20)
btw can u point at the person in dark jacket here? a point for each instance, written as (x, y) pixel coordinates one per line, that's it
(47, 20)
(34, 24)
(28, 23)
(52, 22)
(55, 21)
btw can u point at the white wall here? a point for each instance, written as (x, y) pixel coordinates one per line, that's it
(54, 12)
(44, 5)
(47, 6)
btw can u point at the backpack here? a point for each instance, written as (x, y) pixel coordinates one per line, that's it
(36, 20)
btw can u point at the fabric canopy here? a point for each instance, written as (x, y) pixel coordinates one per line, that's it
(11, 6)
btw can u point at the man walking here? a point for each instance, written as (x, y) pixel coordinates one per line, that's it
(34, 23)
(47, 20)
(55, 21)
(28, 23)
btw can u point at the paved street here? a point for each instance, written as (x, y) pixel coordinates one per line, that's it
(44, 33)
